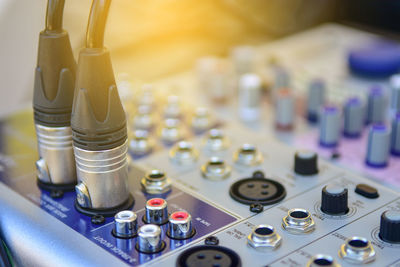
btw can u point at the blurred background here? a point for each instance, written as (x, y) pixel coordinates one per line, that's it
(152, 39)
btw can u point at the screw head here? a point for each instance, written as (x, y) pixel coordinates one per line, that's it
(98, 219)
(211, 240)
(256, 207)
(56, 193)
(258, 174)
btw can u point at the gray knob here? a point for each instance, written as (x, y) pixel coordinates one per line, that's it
(149, 239)
(180, 225)
(249, 97)
(395, 142)
(156, 211)
(282, 78)
(315, 100)
(329, 128)
(395, 86)
(378, 146)
(284, 109)
(376, 110)
(125, 224)
(353, 117)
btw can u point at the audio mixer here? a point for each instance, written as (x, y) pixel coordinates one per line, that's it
(269, 158)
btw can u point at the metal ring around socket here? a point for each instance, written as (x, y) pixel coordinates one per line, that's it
(183, 153)
(322, 260)
(140, 143)
(155, 182)
(180, 226)
(216, 169)
(248, 155)
(298, 221)
(264, 238)
(125, 224)
(56, 165)
(357, 250)
(149, 239)
(216, 141)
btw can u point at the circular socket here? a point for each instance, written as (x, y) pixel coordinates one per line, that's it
(215, 169)
(248, 155)
(156, 211)
(216, 140)
(149, 239)
(322, 260)
(140, 143)
(298, 221)
(357, 250)
(257, 190)
(156, 182)
(180, 225)
(172, 131)
(125, 224)
(209, 256)
(201, 120)
(264, 238)
(183, 153)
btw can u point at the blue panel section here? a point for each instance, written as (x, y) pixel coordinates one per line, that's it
(17, 171)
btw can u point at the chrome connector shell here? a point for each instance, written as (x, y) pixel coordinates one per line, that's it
(57, 162)
(248, 155)
(216, 169)
(183, 153)
(149, 239)
(125, 224)
(216, 140)
(140, 143)
(298, 221)
(155, 182)
(357, 250)
(180, 225)
(156, 211)
(105, 176)
(322, 260)
(264, 238)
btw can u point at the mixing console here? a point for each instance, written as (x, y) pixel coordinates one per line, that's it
(301, 169)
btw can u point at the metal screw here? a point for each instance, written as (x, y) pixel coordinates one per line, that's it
(258, 174)
(56, 193)
(256, 207)
(98, 219)
(211, 240)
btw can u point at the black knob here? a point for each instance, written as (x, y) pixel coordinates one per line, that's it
(334, 200)
(389, 230)
(306, 162)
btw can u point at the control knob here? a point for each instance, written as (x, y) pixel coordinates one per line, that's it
(334, 200)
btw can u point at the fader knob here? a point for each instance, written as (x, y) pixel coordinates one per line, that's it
(329, 128)
(395, 96)
(389, 229)
(395, 142)
(376, 111)
(334, 200)
(378, 146)
(306, 162)
(284, 109)
(315, 99)
(353, 117)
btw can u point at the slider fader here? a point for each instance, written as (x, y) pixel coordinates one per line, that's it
(272, 179)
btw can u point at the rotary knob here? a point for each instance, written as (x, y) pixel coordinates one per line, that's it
(334, 200)
(329, 127)
(306, 162)
(389, 230)
(378, 146)
(353, 117)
